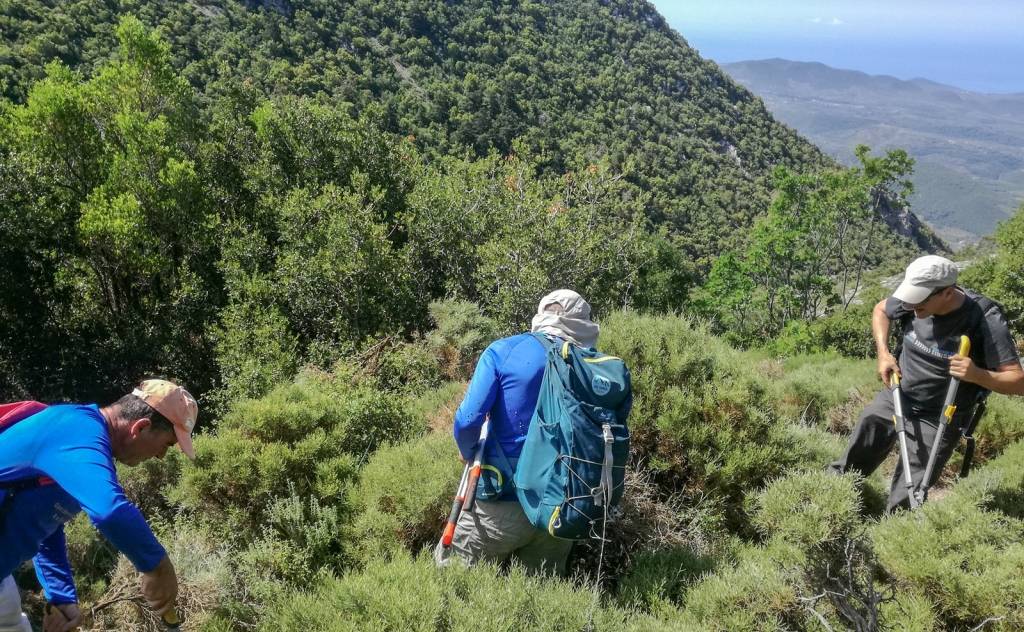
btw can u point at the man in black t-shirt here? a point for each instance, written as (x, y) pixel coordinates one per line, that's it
(942, 312)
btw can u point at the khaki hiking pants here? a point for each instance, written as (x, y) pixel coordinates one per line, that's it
(496, 531)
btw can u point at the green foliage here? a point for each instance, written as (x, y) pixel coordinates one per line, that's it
(116, 260)
(999, 276)
(460, 335)
(455, 598)
(823, 390)
(701, 415)
(661, 576)
(402, 496)
(966, 558)
(757, 593)
(816, 509)
(807, 257)
(845, 332)
(301, 440)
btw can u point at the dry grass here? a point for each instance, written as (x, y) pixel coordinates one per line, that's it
(203, 579)
(442, 419)
(647, 522)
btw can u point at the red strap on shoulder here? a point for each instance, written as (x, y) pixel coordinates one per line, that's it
(14, 412)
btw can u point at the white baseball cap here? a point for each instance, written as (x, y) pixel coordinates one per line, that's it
(925, 275)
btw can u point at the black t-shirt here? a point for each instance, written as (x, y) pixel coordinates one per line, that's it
(932, 341)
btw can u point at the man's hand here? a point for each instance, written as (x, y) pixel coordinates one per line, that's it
(62, 617)
(160, 586)
(964, 369)
(886, 367)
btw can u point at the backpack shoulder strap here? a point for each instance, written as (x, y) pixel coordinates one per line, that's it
(901, 327)
(14, 412)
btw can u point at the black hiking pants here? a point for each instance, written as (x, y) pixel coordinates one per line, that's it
(875, 435)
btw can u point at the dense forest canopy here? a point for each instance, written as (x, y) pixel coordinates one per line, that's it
(198, 183)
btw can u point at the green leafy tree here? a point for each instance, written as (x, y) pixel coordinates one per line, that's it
(122, 231)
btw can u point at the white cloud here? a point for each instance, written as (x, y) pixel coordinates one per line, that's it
(836, 22)
(831, 22)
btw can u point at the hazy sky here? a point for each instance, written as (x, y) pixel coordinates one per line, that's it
(972, 44)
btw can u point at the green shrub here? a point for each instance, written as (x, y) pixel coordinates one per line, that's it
(301, 538)
(402, 496)
(811, 510)
(813, 448)
(847, 333)
(757, 593)
(999, 485)
(662, 576)
(401, 367)
(701, 416)
(1002, 425)
(824, 390)
(304, 439)
(966, 558)
(460, 335)
(909, 610)
(356, 418)
(413, 595)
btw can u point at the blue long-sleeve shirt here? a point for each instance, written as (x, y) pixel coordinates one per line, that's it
(71, 445)
(505, 386)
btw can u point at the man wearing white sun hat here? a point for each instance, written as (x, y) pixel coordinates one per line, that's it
(58, 460)
(932, 313)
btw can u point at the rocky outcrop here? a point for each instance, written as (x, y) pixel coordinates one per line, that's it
(902, 221)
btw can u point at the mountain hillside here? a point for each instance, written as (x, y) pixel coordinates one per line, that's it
(969, 147)
(573, 82)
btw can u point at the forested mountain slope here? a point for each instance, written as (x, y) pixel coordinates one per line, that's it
(576, 81)
(253, 187)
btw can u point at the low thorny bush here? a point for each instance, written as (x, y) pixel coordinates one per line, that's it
(313, 506)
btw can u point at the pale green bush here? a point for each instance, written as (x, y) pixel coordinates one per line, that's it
(413, 595)
(402, 496)
(812, 510)
(965, 558)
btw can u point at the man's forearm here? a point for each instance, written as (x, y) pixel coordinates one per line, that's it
(1006, 382)
(880, 331)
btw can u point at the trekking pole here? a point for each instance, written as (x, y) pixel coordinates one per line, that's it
(901, 432)
(946, 418)
(466, 490)
(453, 516)
(968, 435)
(474, 472)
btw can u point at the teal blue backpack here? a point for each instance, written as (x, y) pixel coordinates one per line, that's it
(571, 470)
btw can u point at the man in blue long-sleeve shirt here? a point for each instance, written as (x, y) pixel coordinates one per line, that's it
(504, 389)
(60, 461)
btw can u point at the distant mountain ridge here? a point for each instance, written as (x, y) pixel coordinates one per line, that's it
(969, 146)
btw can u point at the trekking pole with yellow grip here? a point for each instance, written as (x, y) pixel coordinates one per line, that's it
(901, 432)
(946, 418)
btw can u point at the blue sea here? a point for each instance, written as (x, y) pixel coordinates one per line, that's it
(978, 66)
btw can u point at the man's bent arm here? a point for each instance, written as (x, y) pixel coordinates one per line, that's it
(87, 474)
(880, 329)
(480, 396)
(880, 332)
(1007, 379)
